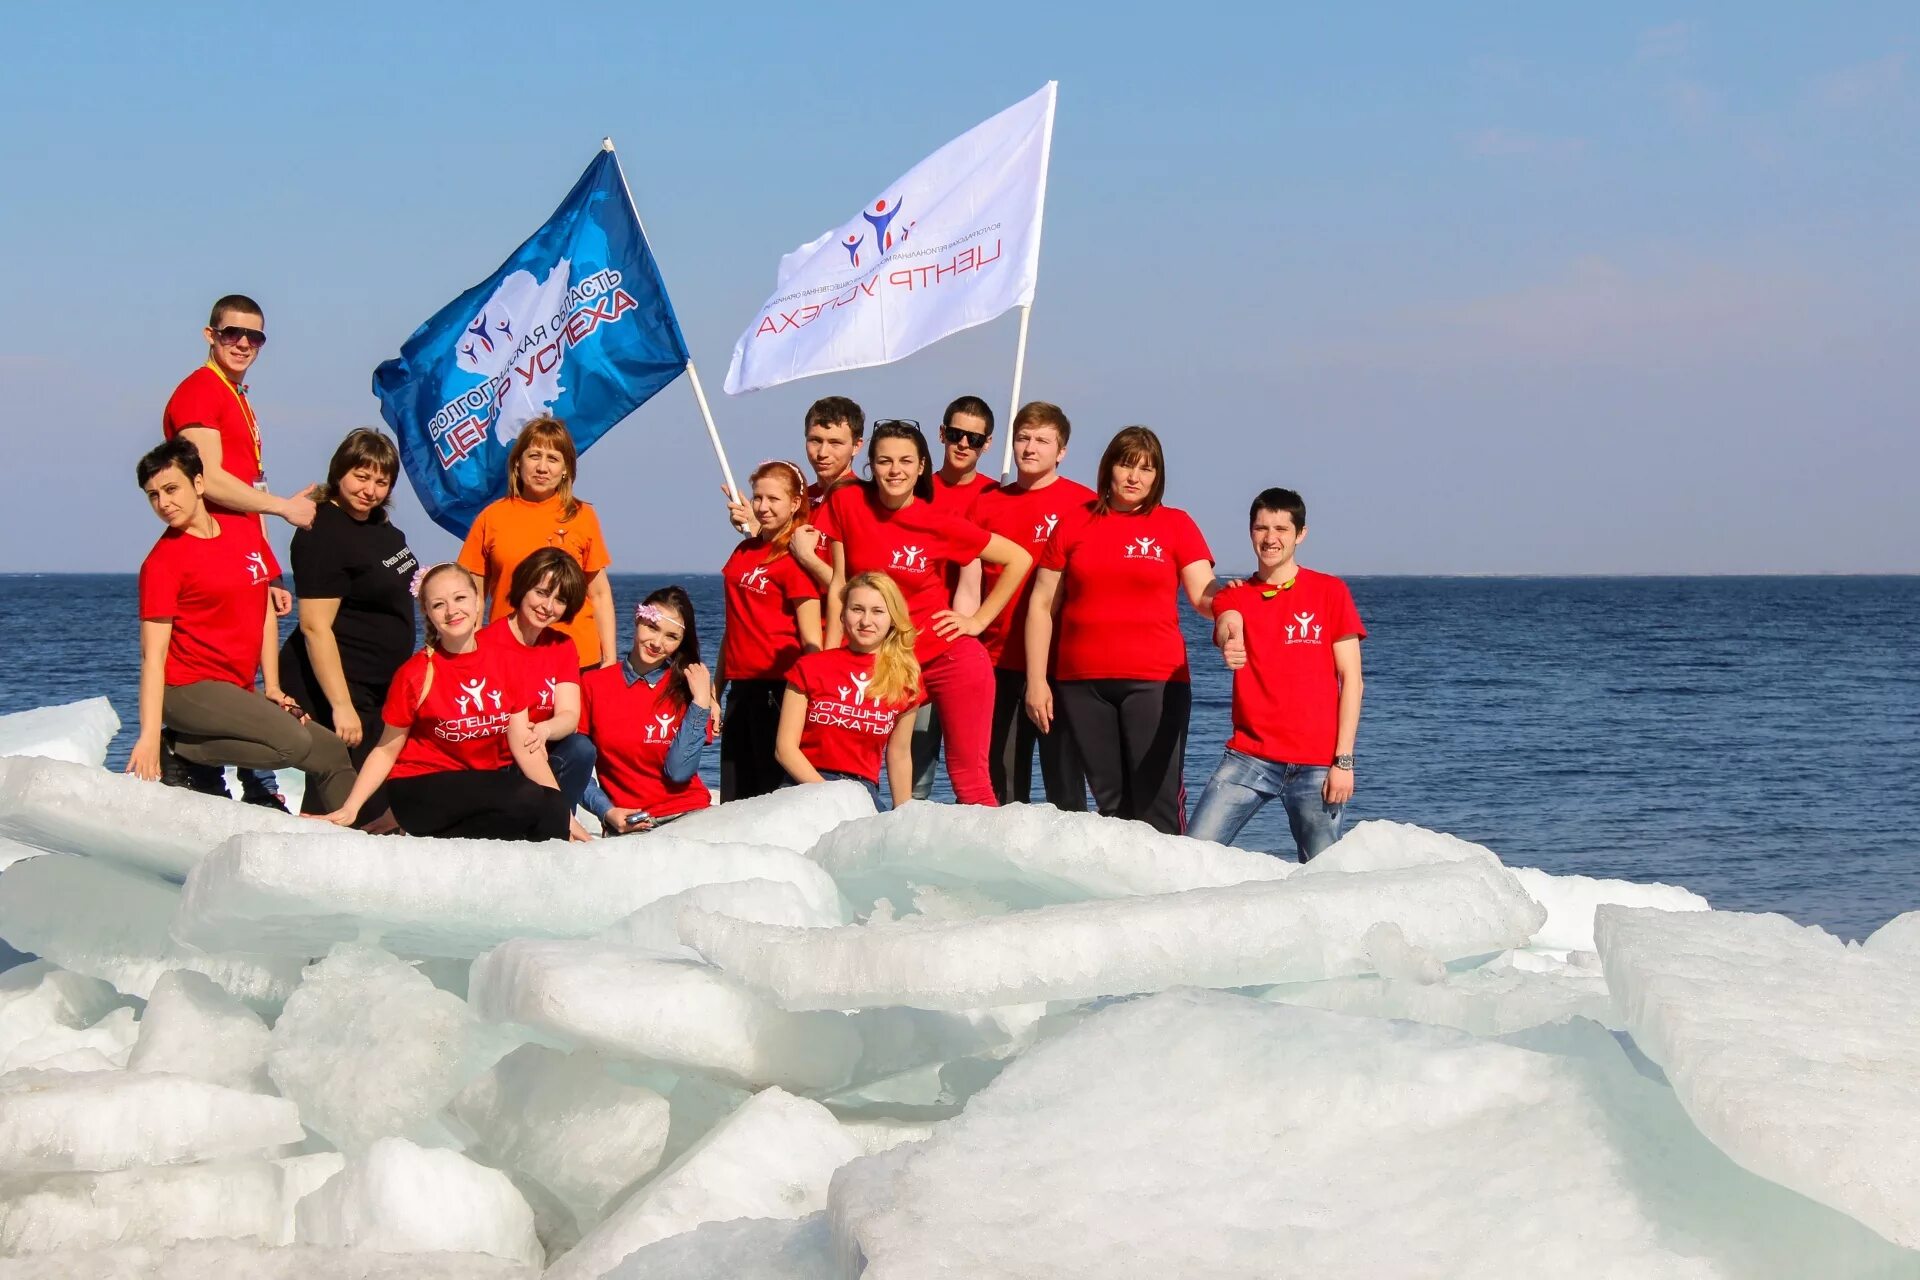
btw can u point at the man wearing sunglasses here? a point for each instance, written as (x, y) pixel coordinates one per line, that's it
(210, 410)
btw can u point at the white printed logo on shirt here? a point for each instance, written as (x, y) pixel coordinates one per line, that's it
(1145, 549)
(547, 694)
(661, 730)
(477, 695)
(911, 559)
(1303, 630)
(1044, 530)
(257, 568)
(756, 581)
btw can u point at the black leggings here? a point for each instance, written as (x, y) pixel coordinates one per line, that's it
(747, 766)
(479, 804)
(1010, 762)
(1132, 739)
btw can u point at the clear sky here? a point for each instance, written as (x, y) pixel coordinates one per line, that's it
(1500, 288)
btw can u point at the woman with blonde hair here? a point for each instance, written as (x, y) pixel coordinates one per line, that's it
(773, 616)
(456, 753)
(847, 708)
(540, 510)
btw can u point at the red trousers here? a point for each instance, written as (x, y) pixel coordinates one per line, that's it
(959, 683)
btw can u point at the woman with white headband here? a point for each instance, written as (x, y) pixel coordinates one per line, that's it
(649, 717)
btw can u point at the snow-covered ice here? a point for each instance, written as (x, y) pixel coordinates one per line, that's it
(792, 817)
(1494, 999)
(36, 998)
(1796, 1054)
(744, 1249)
(59, 1121)
(773, 1158)
(369, 1047)
(241, 1260)
(1290, 930)
(400, 1198)
(300, 894)
(75, 732)
(112, 923)
(562, 1121)
(241, 1199)
(1898, 936)
(1024, 855)
(656, 926)
(75, 808)
(636, 1005)
(1311, 1144)
(104, 1046)
(1572, 900)
(193, 1028)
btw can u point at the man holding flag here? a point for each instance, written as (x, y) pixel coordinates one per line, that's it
(575, 325)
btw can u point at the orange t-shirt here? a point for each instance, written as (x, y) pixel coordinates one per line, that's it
(512, 529)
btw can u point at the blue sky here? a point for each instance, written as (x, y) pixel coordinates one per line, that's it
(1501, 289)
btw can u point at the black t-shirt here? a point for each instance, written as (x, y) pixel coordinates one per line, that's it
(368, 567)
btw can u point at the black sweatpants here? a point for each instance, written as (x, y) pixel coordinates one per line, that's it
(747, 733)
(1132, 740)
(478, 804)
(1010, 761)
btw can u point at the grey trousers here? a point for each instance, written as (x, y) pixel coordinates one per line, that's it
(216, 723)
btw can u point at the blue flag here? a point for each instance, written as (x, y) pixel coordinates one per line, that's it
(576, 325)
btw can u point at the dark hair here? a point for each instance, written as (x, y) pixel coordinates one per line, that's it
(1038, 413)
(675, 598)
(898, 429)
(569, 579)
(968, 404)
(363, 447)
(1132, 444)
(177, 452)
(829, 411)
(233, 302)
(1278, 500)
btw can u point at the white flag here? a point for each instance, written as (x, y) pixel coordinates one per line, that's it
(953, 244)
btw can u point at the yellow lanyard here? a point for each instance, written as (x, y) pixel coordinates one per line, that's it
(253, 423)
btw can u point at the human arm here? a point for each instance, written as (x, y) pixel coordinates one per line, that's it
(739, 514)
(1014, 561)
(323, 655)
(270, 666)
(529, 754)
(805, 545)
(1197, 579)
(966, 588)
(1346, 664)
(786, 740)
(155, 635)
(836, 596)
(900, 760)
(372, 774)
(1043, 611)
(690, 739)
(1230, 636)
(605, 622)
(224, 488)
(806, 619)
(566, 712)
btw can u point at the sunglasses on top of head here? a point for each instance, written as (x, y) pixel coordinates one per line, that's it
(972, 439)
(228, 335)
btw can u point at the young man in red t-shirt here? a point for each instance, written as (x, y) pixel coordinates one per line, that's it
(1028, 511)
(210, 409)
(205, 629)
(835, 427)
(1292, 637)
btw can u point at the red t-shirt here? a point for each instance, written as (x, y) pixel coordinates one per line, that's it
(1286, 700)
(214, 590)
(913, 546)
(634, 727)
(462, 724)
(846, 731)
(1120, 576)
(1029, 518)
(538, 668)
(206, 399)
(763, 635)
(959, 499)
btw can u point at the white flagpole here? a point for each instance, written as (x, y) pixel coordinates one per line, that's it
(693, 374)
(1026, 312)
(1019, 371)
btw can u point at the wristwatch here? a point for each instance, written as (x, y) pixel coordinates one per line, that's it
(1343, 762)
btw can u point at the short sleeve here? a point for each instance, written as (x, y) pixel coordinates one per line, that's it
(1059, 545)
(159, 587)
(796, 584)
(1231, 600)
(799, 676)
(826, 516)
(403, 696)
(1346, 617)
(319, 572)
(191, 405)
(474, 551)
(1189, 544)
(562, 661)
(593, 549)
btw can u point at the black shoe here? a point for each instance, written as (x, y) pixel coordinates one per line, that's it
(175, 772)
(265, 799)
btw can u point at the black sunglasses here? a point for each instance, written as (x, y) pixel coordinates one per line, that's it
(972, 439)
(897, 422)
(230, 334)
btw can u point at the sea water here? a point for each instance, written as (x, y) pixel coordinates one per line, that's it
(1751, 738)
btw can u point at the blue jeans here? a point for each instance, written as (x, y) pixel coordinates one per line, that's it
(1243, 783)
(572, 759)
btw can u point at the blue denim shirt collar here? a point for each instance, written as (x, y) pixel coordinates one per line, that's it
(653, 678)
